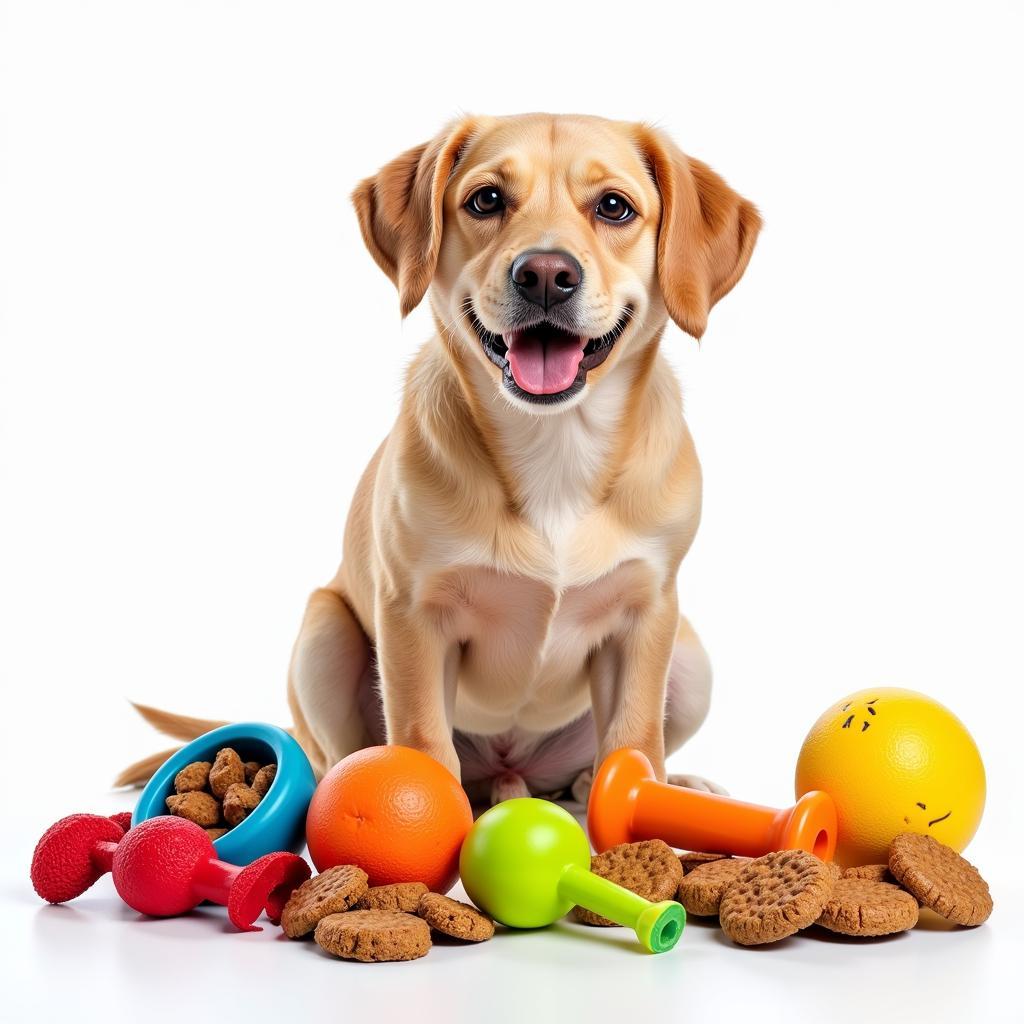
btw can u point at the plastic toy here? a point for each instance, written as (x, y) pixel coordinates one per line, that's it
(894, 761)
(277, 823)
(162, 867)
(123, 818)
(627, 803)
(396, 812)
(63, 866)
(526, 862)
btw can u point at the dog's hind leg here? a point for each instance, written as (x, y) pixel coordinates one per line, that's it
(688, 693)
(687, 699)
(328, 680)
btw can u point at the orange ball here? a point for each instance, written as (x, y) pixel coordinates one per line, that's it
(396, 812)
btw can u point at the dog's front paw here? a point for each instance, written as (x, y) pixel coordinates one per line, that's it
(697, 782)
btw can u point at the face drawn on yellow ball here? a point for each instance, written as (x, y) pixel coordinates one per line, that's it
(893, 761)
(929, 823)
(869, 712)
(859, 719)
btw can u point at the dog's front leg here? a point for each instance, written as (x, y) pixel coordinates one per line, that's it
(418, 671)
(628, 681)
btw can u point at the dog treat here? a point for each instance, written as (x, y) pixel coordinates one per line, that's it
(400, 896)
(373, 935)
(872, 872)
(692, 860)
(226, 771)
(216, 833)
(649, 868)
(193, 777)
(864, 906)
(333, 891)
(459, 920)
(263, 778)
(239, 801)
(219, 797)
(775, 896)
(940, 878)
(198, 807)
(701, 889)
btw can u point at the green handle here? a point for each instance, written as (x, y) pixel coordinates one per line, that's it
(658, 926)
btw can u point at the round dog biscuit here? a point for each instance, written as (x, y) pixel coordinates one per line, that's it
(373, 935)
(872, 872)
(694, 859)
(775, 896)
(649, 868)
(863, 906)
(940, 878)
(403, 896)
(701, 889)
(332, 891)
(450, 917)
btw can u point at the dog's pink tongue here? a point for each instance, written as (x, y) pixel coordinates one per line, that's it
(544, 366)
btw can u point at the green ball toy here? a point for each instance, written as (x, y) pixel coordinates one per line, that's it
(526, 862)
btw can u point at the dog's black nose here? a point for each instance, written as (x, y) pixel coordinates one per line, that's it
(546, 278)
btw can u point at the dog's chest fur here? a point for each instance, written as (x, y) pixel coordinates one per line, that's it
(526, 640)
(556, 463)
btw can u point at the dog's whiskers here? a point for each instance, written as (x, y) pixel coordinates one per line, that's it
(449, 326)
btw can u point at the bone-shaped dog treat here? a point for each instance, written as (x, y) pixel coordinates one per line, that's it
(162, 867)
(627, 804)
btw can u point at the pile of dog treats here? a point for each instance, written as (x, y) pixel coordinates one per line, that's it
(757, 900)
(219, 796)
(351, 920)
(765, 899)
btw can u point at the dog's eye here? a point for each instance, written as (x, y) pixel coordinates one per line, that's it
(485, 201)
(614, 208)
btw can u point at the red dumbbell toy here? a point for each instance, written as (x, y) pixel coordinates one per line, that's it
(162, 867)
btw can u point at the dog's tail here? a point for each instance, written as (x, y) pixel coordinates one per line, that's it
(181, 727)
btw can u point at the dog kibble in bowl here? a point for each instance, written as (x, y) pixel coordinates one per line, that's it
(219, 796)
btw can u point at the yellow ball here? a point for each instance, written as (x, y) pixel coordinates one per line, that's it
(893, 761)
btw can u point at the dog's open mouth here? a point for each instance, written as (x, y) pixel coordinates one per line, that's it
(545, 362)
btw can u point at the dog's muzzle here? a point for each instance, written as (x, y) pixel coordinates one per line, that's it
(544, 362)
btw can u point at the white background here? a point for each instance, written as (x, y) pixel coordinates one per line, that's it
(198, 358)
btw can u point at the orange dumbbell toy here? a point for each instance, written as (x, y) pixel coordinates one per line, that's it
(628, 803)
(396, 812)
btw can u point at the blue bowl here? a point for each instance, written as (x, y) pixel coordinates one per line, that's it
(278, 822)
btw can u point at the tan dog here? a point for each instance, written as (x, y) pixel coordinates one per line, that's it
(507, 601)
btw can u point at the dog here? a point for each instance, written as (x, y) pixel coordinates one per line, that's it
(506, 602)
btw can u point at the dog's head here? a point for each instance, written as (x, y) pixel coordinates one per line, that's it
(555, 244)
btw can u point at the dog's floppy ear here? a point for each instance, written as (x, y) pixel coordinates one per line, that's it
(706, 235)
(400, 211)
